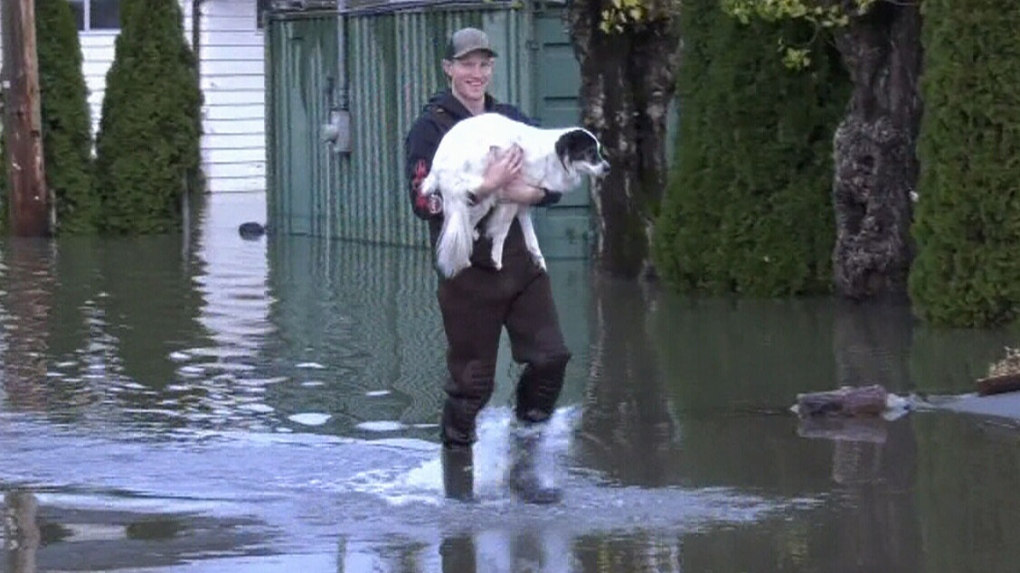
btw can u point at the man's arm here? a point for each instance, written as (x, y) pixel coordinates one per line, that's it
(523, 193)
(419, 149)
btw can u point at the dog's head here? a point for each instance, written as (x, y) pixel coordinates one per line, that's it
(581, 151)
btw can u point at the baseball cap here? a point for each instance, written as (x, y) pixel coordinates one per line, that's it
(467, 40)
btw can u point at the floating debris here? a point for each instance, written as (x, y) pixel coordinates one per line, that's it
(1003, 376)
(1008, 365)
(852, 402)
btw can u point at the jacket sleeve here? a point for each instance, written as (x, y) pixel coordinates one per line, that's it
(551, 197)
(419, 148)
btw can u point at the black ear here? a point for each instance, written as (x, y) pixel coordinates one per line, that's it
(572, 144)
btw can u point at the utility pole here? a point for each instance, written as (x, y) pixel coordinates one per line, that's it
(28, 199)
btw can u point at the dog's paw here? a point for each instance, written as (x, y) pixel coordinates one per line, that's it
(540, 261)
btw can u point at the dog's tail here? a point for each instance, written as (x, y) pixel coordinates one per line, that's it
(456, 241)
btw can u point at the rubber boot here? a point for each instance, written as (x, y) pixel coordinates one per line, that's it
(458, 473)
(524, 479)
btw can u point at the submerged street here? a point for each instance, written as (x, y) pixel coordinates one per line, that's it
(222, 405)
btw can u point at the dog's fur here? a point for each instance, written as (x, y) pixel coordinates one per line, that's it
(554, 159)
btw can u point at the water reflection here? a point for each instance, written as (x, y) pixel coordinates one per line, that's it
(123, 359)
(21, 532)
(27, 301)
(870, 343)
(40, 536)
(359, 334)
(629, 428)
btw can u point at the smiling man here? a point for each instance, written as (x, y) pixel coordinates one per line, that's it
(477, 303)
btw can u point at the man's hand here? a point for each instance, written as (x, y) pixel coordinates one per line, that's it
(502, 171)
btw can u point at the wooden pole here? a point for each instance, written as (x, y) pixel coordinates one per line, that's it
(28, 200)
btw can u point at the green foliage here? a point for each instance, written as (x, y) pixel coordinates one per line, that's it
(622, 16)
(967, 219)
(819, 15)
(66, 121)
(148, 145)
(748, 209)
(66, 117)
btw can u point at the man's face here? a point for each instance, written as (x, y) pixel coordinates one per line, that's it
(470, 75)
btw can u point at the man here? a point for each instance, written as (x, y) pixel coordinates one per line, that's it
(479, 302)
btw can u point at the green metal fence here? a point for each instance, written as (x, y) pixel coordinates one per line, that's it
(396, 69)
(371, 67)
(387, 69)
(301, 73)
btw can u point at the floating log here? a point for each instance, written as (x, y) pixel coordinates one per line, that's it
(865, 401)
(998, 384)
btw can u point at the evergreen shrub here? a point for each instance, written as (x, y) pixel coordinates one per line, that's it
(967, 218)
(148, 148)
(749, 206)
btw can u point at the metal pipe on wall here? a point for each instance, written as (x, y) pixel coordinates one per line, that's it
(337, 129)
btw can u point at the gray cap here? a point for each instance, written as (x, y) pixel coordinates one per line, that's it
(467, 40)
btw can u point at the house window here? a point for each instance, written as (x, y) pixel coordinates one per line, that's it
(96, 14)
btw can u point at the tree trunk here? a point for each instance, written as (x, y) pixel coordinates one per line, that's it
(627, 83)
(875, 165)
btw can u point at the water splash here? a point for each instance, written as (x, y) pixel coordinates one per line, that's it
(492, 456)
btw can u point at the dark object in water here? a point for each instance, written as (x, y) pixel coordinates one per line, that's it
(998, 384)
(250, 231)
(846, 401)
(844, 429)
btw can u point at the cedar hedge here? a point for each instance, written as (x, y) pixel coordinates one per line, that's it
(148, 151)
(967, 219)
(749, 207)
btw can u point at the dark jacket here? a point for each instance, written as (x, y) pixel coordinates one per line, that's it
(441, 112)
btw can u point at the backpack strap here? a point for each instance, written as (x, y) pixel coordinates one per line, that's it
(442, 117)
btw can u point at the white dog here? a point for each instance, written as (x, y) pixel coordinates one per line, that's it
(554, 159)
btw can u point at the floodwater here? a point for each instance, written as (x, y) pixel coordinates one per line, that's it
(227, 405)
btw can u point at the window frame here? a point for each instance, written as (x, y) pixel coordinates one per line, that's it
(86, 10)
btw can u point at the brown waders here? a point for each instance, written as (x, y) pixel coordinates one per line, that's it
(476, 305)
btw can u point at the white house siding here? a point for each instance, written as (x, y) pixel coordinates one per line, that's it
(234, 147)
(231, 50)
(97, 55)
